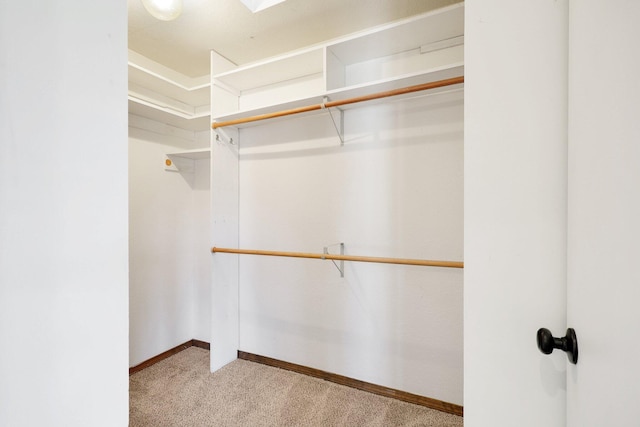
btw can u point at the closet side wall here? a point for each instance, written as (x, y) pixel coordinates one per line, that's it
(168, 229)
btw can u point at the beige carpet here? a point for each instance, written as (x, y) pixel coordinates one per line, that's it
(180, 391)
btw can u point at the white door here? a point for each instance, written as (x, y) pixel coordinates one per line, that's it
(603, 294)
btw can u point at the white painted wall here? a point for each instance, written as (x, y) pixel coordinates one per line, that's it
(515, 211)
(63, 213)
(395, 189)
(169, 258)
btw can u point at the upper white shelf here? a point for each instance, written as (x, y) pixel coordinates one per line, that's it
(413, 79)
(287, 67)
(164, 95)
(401, 36)
(421, 49)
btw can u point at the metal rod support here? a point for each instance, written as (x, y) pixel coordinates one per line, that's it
(341, 266)
(339, 130)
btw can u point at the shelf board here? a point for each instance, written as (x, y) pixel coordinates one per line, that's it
(435, 74)
(195, 122)
(440, 73)
(268, 109)
(297, 64)
(195, 154)
(198, 95)
(443, 24)
(164, 95)
(153, 70)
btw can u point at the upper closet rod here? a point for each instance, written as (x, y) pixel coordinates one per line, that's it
(423, 262)
(378, 95)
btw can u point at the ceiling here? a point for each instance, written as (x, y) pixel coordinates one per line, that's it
(229, 28)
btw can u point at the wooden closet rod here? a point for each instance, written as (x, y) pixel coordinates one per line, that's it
(422, 262)
(378, 95)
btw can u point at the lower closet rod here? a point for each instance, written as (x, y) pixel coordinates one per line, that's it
(404, 261)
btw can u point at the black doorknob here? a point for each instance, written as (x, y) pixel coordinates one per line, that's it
(569, 343)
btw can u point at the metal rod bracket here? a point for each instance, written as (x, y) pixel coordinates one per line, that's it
(326, 252)
(339, 129)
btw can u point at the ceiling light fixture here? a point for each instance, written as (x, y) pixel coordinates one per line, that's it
(258, 5)
(165, 10)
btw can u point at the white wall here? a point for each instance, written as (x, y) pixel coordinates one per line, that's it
(515, 211)
(169, 242)
(63, 213)
(395, 189)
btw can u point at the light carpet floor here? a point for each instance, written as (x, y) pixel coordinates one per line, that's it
(180, 391)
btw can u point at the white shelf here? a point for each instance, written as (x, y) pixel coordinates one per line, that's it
(268, 109)
(195, 154)
(401, 36)
(413, 51)
(149, 110)
(291, 66)
(195, 95)
(440, 73)
(184, 162)
(412, 79)
(164, 95)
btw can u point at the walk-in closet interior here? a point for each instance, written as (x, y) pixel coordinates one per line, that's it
(307, 206)
(289, 191)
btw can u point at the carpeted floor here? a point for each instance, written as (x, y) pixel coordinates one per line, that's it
(180, 391)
